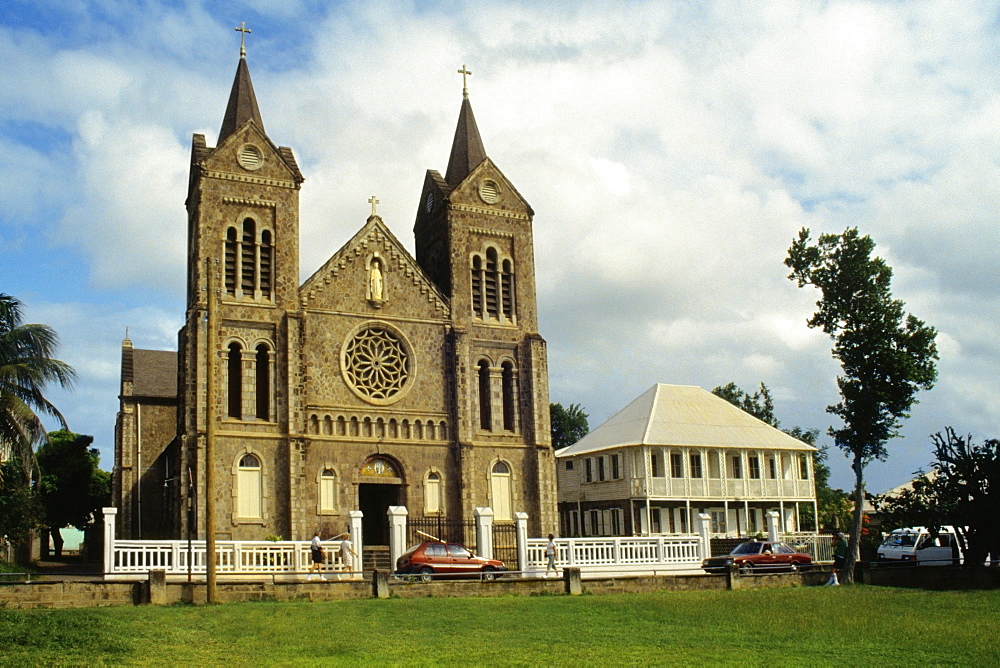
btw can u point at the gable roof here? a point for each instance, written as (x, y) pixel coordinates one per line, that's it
(154, 373)
(375, 231)
(683, 415)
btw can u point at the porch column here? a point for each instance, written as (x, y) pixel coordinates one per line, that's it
(705, 535)
(357, 538)
(109, 538)
(397, 532)
(484, 532)
(773, 534)
(521, 525)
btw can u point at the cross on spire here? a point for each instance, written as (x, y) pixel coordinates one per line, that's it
(374, 202)
(242, 28)
(465, 73)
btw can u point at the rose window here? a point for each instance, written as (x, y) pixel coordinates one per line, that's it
(376, 364)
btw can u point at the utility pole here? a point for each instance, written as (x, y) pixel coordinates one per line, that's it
(211, 306)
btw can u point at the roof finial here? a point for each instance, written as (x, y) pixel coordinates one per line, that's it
(242, 28)
(465, 88)
(374, 202)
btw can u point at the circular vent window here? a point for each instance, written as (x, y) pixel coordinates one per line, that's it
(489, 192)
(250, 157)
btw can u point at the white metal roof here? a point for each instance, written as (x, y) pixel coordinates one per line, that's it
(683, 415)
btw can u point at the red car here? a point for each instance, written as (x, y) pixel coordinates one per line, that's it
(429, 558)
(761, 557)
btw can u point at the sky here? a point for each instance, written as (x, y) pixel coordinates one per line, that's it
(671, 152)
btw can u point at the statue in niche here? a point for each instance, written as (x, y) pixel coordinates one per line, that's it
(375, 283)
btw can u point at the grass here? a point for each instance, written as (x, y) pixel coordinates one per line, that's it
(844, 626)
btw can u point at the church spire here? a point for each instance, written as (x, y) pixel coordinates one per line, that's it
(242, 100)
(467, 150)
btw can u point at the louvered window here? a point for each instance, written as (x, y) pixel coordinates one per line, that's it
(232, 246)
(266, 255)
(477, 286)
(248, 260)
(507, 290)
(492, 303)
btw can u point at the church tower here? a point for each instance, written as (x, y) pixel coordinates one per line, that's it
(473, 234)
(243, 265)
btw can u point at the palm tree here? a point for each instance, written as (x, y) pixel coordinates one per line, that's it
(26, 365)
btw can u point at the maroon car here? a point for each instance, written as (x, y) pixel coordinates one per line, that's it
(451, 559)
(759, 556)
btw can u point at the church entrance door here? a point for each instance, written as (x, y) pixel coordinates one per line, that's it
(374, 501)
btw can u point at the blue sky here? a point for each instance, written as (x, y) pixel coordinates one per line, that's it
(671, 151)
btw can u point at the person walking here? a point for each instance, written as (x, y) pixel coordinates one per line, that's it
(318, 556)
(347, 553)
(550, 556)
(839, 558)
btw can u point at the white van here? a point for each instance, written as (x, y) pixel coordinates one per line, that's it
(917, 545)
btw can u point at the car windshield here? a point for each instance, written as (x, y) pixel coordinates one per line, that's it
(747, 548)
(900, 540)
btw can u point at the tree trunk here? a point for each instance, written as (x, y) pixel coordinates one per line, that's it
(854, 544)
(57, 541)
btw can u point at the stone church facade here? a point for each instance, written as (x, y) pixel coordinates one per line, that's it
(382, 380)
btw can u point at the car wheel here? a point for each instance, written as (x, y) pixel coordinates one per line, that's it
(746, 568)
(426, 574)
(489, 573)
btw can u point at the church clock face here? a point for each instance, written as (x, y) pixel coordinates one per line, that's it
(377, 363)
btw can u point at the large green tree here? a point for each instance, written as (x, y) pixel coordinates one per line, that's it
(886, 355)
(568, 425)
(20, 508)
(27, 365)
(830, 502)
(71, 486)
(960, 490)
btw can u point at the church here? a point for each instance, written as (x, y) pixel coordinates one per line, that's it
(382, 380)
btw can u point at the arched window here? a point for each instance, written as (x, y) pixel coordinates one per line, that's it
(507, 290)
(327, 491)
(500, 491)
(263, 373)
(492, 289)
(477, 286)
(248, 259)
(232, 247)
(485, 415)
(266, 263)
(509, 402)
(432, 493)
(235, 375)
(248, 483)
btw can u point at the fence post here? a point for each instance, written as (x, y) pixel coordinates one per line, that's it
(484, 532)
(773, 531)
(357, 539)
(521, 523)
(705, 535)
(109, 539)
(397, 533)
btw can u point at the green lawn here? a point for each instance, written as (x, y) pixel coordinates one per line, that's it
(837, 626)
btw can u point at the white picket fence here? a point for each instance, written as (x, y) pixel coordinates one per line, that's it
(594, 556)
(633, 556)
(176, 557)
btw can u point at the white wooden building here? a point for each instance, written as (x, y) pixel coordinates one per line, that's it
(677, 451)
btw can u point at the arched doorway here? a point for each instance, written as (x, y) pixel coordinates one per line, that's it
(380, 484)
